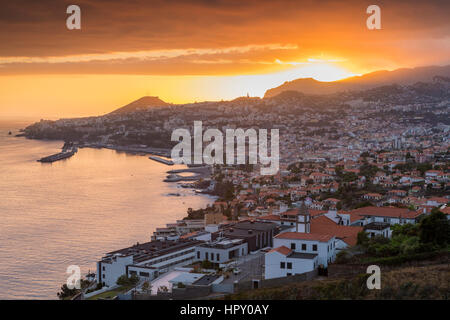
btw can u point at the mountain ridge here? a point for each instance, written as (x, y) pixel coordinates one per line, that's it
(145, 102)
(402, 76)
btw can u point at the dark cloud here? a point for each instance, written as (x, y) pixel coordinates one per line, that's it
(37, 29)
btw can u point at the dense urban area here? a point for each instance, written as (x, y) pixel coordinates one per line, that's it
(364, 180)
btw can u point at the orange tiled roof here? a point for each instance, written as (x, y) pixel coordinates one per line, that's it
(324, 225)
(283, 250)
(314, 212)
(304, 236)
(439, 199)
(292, 212)
(354, 216)
(271, 217)
(387, 212)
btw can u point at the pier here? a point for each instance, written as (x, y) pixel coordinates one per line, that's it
(59, 156)
(165, 161)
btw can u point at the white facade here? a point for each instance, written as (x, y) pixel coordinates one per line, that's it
(221, 251)
(326, 250)
(278, 265)
(387, 233)
(390, 220)
(109, 272)
(110, 268)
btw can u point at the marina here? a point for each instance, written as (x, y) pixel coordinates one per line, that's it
(198, 173)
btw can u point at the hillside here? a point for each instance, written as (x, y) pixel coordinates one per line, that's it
(411, 282)
(364, 82)
(141, 104)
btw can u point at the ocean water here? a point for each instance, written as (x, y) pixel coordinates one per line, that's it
(73, 211)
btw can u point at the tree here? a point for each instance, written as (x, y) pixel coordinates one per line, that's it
(123, 280)
(163, 289)
(362, 238)
(435, 229)
(363, 204)
(206, 264)
(66, 292)
(146, 287)
(408, 229)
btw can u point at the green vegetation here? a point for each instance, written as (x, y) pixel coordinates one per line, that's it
(368, 170)
(67, 293)
(410, 166)
(224, 190)
(196, 214)
(435, 229)
(98, 287)
(427, 239)
(111, 293)
(146, 287)
(123, 280)
(427, 282)
(206, 264)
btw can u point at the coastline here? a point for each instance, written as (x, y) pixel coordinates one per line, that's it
(130, 149)
(146, 209)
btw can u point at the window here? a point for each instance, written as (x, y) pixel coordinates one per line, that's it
(206, 256)
(217, 256)
(198, 254)
(132, 272)
(289, 265)
(144, 274)
(304, 246)
(314, 247)
(282, 266)
(293, 246)
(103, 268)
(103, 276)
(289, 274)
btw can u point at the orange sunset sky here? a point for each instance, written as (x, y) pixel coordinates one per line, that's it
(186, 51)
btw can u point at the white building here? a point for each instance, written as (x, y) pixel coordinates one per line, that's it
(320, 244)
(388, 215)
(147, 260)
(378, 229)
(314, 243)
(283, 262)
(221, 251)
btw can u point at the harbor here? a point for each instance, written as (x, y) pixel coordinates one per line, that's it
(199, 173)
(135, 149)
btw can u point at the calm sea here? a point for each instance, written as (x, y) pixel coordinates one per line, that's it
(73, 211)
